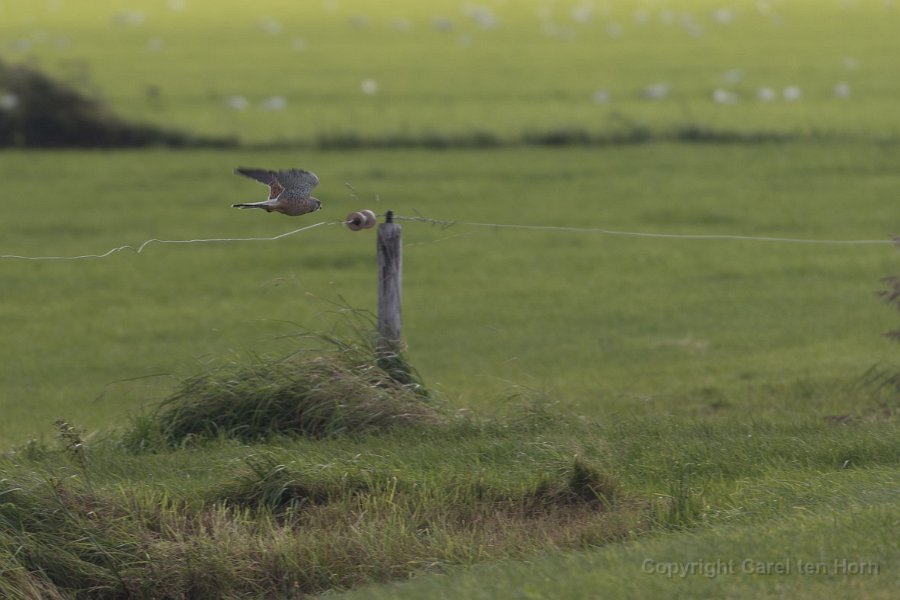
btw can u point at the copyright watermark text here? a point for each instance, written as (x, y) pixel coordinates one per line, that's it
(751, 566)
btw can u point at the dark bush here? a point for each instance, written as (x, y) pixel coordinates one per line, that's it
(39, 112)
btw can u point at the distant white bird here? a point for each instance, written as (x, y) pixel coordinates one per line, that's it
(129, 17)
(765, 94)
(721, 96)
(723, 15)
(271, 26)
(237, 103)
(289, 191)
(274, 103)
(401, 25)
(369, 87)
(841, 90)
(602, 96)
(657, 91)
(792, 93)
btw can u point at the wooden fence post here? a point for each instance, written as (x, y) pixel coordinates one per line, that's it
(390, 275)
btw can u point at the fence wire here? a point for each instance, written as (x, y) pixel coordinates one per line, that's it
(445, 224)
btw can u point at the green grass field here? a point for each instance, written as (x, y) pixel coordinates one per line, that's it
(451, 68)
(610, 407)
(604, 323)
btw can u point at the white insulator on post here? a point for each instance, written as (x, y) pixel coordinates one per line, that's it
(370, 218)
(360, 219)
(355, 221)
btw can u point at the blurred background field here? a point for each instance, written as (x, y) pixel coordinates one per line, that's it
(284, 71)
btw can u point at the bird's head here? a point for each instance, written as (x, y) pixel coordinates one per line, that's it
(317, 202)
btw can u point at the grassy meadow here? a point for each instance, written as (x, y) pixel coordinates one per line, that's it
(455, 69)
(611, 411)
(604, 323)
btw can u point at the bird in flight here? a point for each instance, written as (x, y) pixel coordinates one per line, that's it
(289, 191)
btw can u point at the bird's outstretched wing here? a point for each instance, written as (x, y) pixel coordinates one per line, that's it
(298, 182)
(263, 176)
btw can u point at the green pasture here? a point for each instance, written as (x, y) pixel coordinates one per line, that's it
(452, 69)
(650, 328)
(602, 322)
(725, 385)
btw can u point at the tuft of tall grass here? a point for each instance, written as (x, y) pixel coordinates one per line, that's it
(886, 379)
(57, 535)
(349, 387)
(891, 296)
(266, 483)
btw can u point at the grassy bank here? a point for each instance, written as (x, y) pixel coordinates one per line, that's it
(297, 516)
(844, 548)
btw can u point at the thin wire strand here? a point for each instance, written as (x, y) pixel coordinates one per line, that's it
(447, 224)
(641, 234)
(140, 249)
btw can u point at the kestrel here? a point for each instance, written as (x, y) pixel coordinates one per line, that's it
(289, 191)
